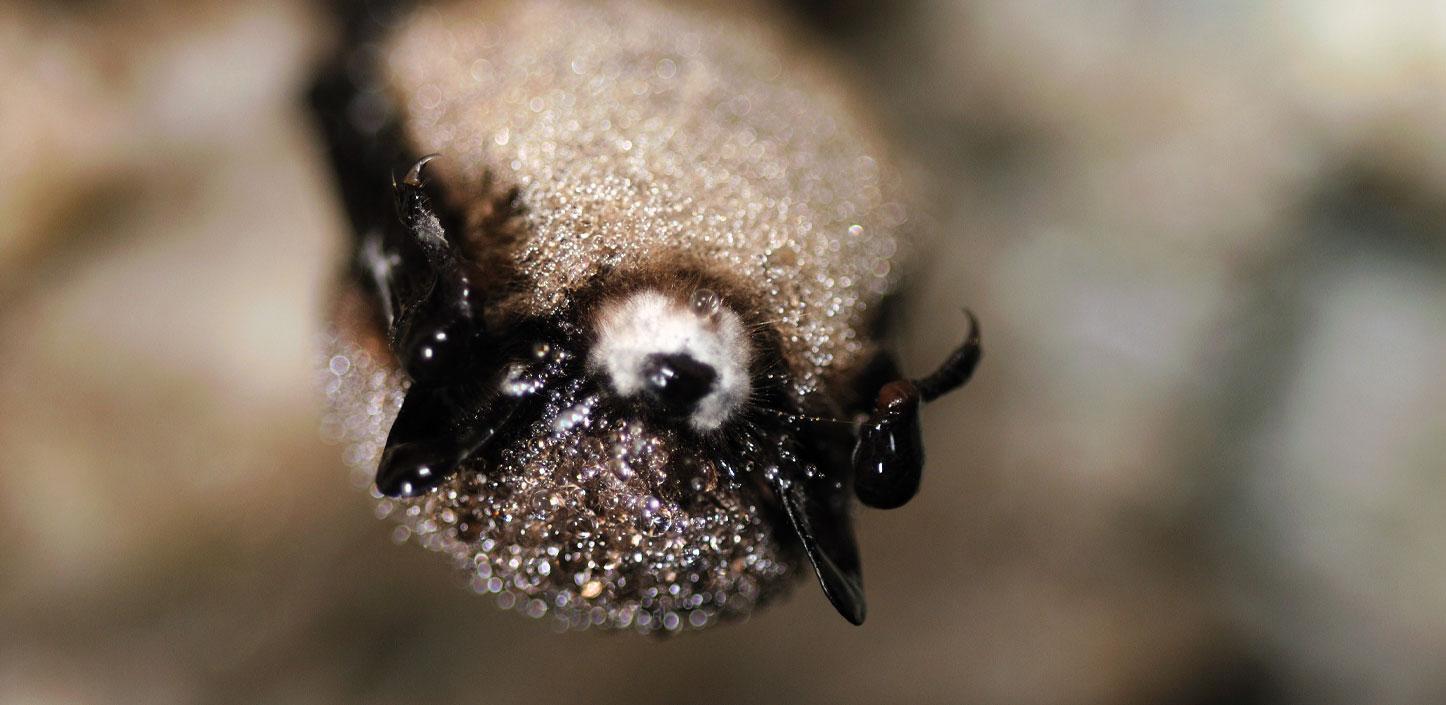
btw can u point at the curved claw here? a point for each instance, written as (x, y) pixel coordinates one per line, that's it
(888, 456)
(958, 368)
(419, 218)
(414, 175)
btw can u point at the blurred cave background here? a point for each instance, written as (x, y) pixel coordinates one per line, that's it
(1202, 462)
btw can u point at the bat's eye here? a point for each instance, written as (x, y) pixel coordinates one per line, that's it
(677, 381)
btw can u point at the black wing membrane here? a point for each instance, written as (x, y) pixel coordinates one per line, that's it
(423, 291)
(363, 141)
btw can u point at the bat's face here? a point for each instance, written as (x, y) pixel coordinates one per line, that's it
(604, 464)
(689, 359)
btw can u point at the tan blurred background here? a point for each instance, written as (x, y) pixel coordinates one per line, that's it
(1202, 462)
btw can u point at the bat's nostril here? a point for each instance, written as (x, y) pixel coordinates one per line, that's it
(677, 380)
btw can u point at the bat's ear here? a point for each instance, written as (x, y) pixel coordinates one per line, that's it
(817, 509)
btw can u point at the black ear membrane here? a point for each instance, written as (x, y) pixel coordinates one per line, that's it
(823, 525)
(439, 337)
(436, 430)
(423, 448)
(412, 469)
(816, 504)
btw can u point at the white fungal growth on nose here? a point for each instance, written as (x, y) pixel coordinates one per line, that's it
(648, 322)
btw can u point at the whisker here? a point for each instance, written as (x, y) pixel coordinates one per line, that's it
(805, 417)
